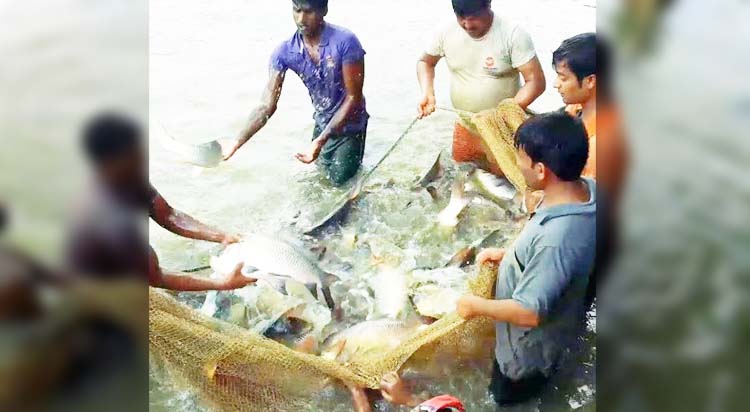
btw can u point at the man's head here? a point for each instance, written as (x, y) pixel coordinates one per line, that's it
(474, 16)
(575, 64)
(113, 144)
(308, 15)
(551, 147)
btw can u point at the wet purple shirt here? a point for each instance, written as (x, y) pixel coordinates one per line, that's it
(325, 81)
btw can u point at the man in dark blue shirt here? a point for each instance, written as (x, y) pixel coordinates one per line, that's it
(331, 63)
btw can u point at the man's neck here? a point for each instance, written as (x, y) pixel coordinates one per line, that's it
(589, 109)
(561, 193)
(489, 26)
(313, 39)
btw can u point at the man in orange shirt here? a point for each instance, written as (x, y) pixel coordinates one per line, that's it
(575, 64)
(582, 66)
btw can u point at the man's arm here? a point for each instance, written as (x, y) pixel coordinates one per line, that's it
(506, 310)
(534, 83)
(184, 225)
(354, 79)
(185, 283)
(426, 76)
(260, 115)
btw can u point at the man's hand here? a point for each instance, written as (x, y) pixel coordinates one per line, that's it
(236, 280)
(313, 155)
(468, 306)
(231, 238)
(426, 106)
(228, 147)
(395, 391)
(359, 398)
(491, 255)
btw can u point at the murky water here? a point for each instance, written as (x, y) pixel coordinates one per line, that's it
(208, 67)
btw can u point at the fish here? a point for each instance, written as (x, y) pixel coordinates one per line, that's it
(466, 256)
(339, 210)
(496, 189)
(297, 319)
(273, 262)
(206, 155)
(435, 292)
(448, 217)
(367, 338)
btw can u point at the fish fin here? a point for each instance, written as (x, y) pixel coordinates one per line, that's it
(323, 293)
(329, 279)
(432, 192)
(463, 257)
(276, 282)
(307, 345)
(338, 348)
(319, 251)
(209, 305)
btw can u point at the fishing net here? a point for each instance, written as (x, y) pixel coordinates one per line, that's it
(496, 128)
(234, 369)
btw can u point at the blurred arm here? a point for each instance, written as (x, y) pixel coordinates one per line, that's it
(181, 282)
(184, 225)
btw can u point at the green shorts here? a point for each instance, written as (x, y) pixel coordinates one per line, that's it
(341, 156)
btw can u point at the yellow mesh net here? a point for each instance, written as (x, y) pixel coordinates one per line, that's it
(496, 128)
(234, 369)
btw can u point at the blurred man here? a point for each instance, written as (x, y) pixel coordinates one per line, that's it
(540, 294)
(486, 55)
(109, 236)
(331, 63)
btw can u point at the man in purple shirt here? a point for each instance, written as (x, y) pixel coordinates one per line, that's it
(331, 63)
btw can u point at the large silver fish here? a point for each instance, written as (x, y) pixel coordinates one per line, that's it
(203, 155)
(274, 261)
(366, 338)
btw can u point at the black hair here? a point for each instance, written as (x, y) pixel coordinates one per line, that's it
(557, 140)
(579, 54)
(108, 135)
(319, 5)
(464, 8)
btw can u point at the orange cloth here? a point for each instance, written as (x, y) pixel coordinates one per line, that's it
(468, 147)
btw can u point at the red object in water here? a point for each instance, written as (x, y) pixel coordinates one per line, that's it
(441, 403)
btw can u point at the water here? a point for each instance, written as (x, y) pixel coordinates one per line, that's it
(208, 66)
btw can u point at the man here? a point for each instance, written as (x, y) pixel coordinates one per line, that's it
(331, 63)
(485, 55)
(109, 235)
(539, 303)
(582, 64)
(575, 64)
